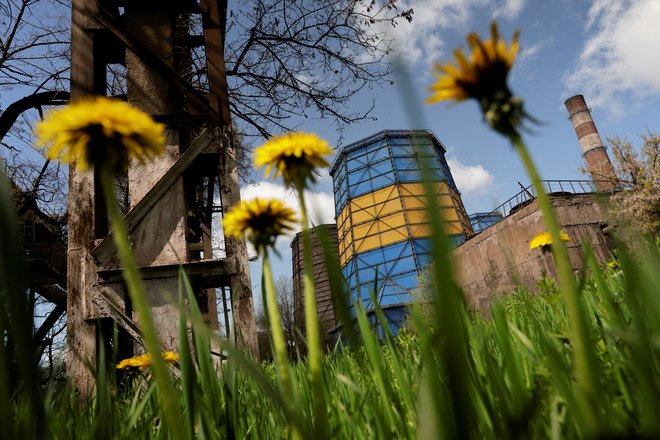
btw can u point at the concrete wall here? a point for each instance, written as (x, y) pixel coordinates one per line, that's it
(499, 259)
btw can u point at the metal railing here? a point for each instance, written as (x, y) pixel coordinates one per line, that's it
(552, 187)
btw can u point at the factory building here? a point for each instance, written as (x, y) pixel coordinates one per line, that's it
(380, 211)
(383, 231)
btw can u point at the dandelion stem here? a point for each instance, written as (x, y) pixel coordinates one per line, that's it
(279, 344)
(137, 293)
(585, 364)
(312, 325)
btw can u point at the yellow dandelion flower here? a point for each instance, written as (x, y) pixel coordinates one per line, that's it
(262, 219)
(544, 240)
(100, 132)
(135, 362)
(482, 76)
(144, 360)
(170, 357)
(294, 156)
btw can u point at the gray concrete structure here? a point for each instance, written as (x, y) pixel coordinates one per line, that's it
(499, 258)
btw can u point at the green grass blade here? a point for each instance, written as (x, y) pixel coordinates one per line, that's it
(207, 372)
(338, 288)
(104, 411)
(188, 379)
(19, 364)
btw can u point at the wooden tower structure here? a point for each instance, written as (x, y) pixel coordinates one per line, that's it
(170, 202)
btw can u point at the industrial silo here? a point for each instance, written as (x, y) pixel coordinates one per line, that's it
(324, 304)
(380, 212)
(484, 220)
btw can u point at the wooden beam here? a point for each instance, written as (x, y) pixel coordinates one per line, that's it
(48, 324)
(53, 293)
(205, 269)
(134, 216)
(109, 308)
(88, 77)
(133, 44)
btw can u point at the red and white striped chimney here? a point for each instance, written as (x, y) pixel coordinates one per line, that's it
(593, 150)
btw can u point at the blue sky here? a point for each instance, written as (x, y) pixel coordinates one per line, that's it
(606, 50)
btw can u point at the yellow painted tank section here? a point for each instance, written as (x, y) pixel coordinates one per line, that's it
(378, 203)
(393, 214)
(344, 235)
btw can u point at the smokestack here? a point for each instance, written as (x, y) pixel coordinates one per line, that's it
(593, 150)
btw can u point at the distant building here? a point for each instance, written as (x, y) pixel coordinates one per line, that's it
(499, 259)
(324, 304)
(380, 211)
(484, 220)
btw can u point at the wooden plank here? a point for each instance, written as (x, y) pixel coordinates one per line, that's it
(205, 268)
(48, 324)
(103, 250)
(53, 293)
(109, 308)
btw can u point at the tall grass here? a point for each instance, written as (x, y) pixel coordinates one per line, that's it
(520, 382)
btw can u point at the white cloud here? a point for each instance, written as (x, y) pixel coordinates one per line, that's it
(321, 205)
(470, 179)
(323, 177)
(270, 190)
(530, 52)
(510, 9)
(421, 40)
(620, 55)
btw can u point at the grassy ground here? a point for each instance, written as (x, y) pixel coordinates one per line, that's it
(518, 379)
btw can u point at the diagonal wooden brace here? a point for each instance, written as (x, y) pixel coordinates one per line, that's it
(104, 250)
(109, 308)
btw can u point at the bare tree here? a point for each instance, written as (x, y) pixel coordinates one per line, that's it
(40, 183)
(34, 44)
(287, 60)
(50, 336)
(284, 292)
(639, 174)
(33, 58)
(34, 36)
